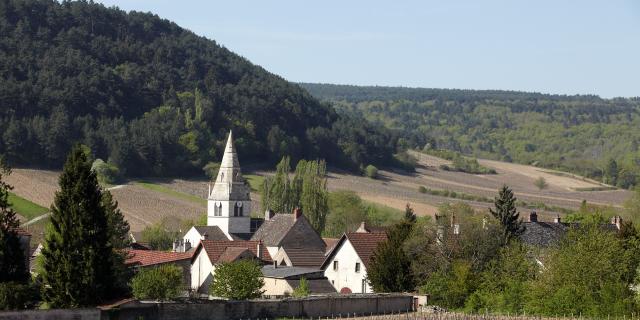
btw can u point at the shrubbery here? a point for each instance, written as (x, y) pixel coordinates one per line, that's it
(106, 172)
(161, 283)
(18, 296)
(371, 172)
(240, 280)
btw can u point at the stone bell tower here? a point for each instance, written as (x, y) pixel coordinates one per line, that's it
(229, 201)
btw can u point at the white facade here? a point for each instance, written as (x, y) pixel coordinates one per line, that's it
(192, 237)
(201, 272)
(346, 270)
(229, 201)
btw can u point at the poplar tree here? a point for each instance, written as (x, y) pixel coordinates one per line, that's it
(12, 259)
(506, 214)
(314, 196)
(78, 255)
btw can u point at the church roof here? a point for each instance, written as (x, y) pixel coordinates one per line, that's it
(212, 232)
(230, 184)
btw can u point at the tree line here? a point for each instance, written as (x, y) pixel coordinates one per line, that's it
(151, 98)
(581, 134)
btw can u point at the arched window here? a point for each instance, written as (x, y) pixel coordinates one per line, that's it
(217, 209)
(237, 209)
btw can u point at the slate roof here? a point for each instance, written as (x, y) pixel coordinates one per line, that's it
(364, 243)
(273, 231)
(152, 257)
(305, 257)
(316, 286)
(544, 234)
(213, 232)
(216, 248)
(284, 272)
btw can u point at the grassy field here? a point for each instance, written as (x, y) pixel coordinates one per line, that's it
(25, 207)
(255, 181)
(171, 192)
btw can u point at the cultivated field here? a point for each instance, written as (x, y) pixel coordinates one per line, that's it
(178, 199)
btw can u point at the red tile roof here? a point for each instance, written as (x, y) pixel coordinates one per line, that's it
(152, 257)
(216, 248)
(365, 244)
(232, 254)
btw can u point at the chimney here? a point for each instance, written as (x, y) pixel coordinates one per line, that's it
(187, 245)
(268, 214)
(297, 212)
(556, 219)
(362, 228)
(205, 236)
(617, 221)
(259, 249)
(533, 216)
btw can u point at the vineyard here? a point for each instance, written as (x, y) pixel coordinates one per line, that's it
(459, 316)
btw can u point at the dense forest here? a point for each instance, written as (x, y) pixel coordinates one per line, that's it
(584, 134)
(152, 98)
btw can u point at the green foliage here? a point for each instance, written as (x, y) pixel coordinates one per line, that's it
(154, 98)
(541, 183)
(506, 214)
(307, 191)
(211, 170)
(118, 240)
(240, 280)
(12, 259)
(371, 171)
(79, 257)
(390, 266)
(18, 296)
(107, 173)
(346, 212)
(159, 236)
(571, 133)
(503, 285)
(588, 274)
(450, 287)
(302, 290)
(159, 283)
(25, 207)
(453, 194)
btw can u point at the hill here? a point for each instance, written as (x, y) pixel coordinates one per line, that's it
(583, 134)
(153, 98)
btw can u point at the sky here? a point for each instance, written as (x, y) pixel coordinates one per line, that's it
(548, 46)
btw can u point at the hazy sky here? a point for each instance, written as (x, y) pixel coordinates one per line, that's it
(557, 46)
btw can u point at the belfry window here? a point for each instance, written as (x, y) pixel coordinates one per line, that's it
(237, 209)
(217, 209)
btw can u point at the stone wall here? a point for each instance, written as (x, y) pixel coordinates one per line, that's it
(331, 306)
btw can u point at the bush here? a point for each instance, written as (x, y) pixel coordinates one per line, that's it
(158, 236)
(239, 280)
(106, 172)
(302, 290)
(371, 171)
(211, 170)
(161, 283)
(18, 296)
(541, 183)
(422, 189)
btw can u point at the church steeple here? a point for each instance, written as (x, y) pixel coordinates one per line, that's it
(229, 205)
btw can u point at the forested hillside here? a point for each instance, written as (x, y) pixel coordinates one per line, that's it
(152, 98)
(588, 135)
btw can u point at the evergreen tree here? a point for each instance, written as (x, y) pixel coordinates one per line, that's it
(118, 238)
(409, 215)
(79, 262)
(505, 212)
(390, 267)
(12, 259)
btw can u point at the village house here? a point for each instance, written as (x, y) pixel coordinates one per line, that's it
(280, 281)
(346, 265)
(143, 259)
(544, 234)
(209, 253)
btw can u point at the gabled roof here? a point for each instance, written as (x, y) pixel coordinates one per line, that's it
(216, 248)
(212, 232)
(273, 230)
(232, 254)
(152, 257)
(285, 272)
(330, 243)
(364, 243)
(304, 257)
(544, 234)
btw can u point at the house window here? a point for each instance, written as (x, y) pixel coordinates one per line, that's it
(357, 266)
(364, 285)
(335, 265)
(217, 209)
(237, 209)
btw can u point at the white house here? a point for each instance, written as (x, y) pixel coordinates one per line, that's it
(209, 253)
(346, 265)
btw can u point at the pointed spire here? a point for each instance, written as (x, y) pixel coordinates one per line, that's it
(230, 158)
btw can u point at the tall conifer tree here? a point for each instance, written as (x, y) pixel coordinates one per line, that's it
(78, 256)
(12, 259)
(505, 212)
